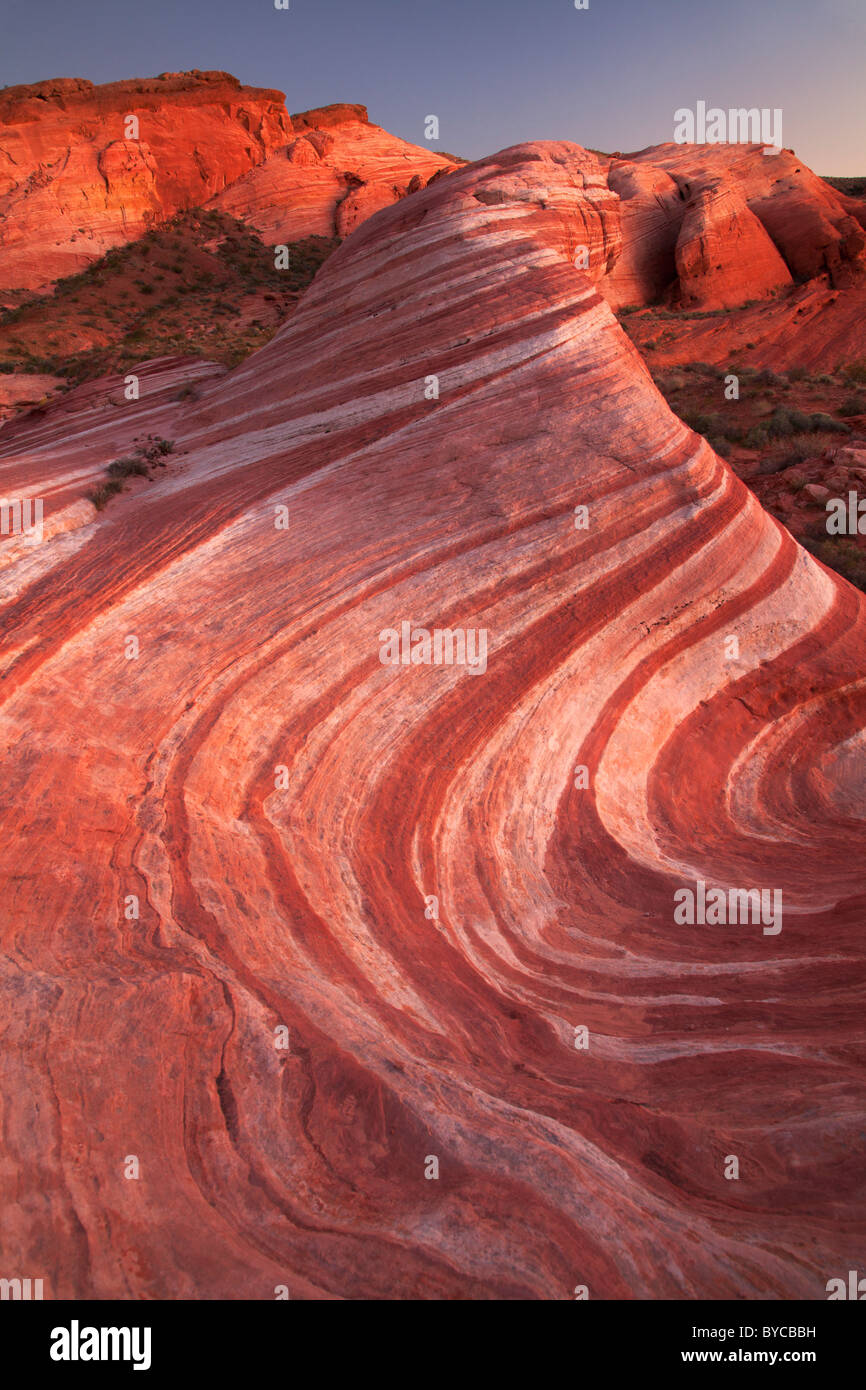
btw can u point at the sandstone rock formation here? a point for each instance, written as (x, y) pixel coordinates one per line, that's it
(76, 178)
(717, 227)
(282, 810)
(72, 184)
(712, 226)
(337, 172)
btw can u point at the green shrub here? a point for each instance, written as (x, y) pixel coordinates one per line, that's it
(843, 556)
(705, 424)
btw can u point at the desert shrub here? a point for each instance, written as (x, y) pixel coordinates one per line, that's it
(128, 468)
(807, 445)
(704, 423)
(100, 495)
(853, 185)
(797, 374)
(779, 422)
(153, 447)
(799, 421)
(856, 371)
(767, 378)
(852, 405)
(758, 437)
(821, 421)
(711, 369)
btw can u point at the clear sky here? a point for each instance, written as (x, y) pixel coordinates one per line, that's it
(495, 72)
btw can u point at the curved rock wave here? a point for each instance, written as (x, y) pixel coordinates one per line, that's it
(453, 886)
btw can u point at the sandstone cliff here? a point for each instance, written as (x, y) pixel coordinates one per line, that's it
(84, 168)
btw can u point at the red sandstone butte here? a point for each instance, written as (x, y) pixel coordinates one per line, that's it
(72, 185)
(298, 899)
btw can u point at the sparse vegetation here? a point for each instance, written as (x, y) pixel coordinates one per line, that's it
(150, 449)
(855, 186)
(840, 554)
(202, 285)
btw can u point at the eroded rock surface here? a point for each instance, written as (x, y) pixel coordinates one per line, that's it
(284, 807)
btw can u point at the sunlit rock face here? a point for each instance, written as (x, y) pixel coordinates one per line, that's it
(84, 168)
(405, 1010)
(336, 172)
(714, 226)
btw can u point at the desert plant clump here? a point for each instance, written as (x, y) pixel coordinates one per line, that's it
(819, 420)
(102, 494)
(784, 422)
(809, 444)
(767, 378)
(149, 449)
(128, 468)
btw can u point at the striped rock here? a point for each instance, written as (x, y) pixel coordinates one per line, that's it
(285, 808)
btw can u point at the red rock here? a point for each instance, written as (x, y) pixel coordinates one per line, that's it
(72, 185)
(333, 178)
(17, 388)
(815, 228)
(716, 226)
(337, 114)
(412, 1035)
(720, 243)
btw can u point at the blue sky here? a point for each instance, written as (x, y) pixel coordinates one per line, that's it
(495, 72)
